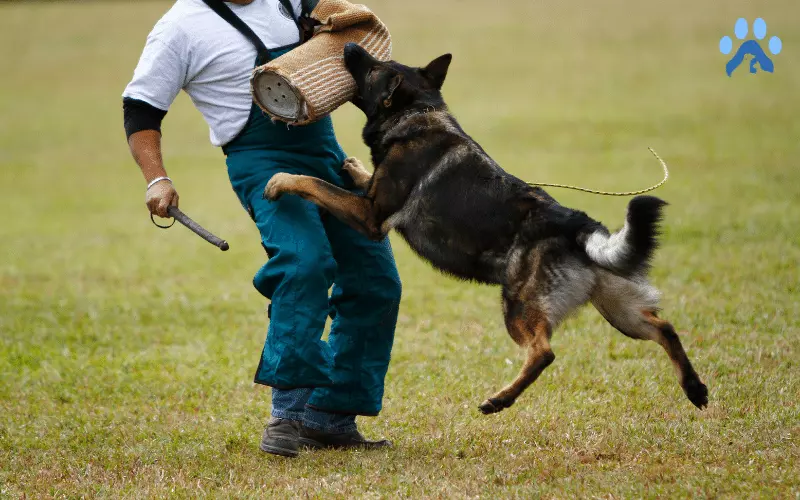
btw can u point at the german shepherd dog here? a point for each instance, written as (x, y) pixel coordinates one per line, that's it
(458, 209)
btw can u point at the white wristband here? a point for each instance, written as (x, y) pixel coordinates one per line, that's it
(158, 179)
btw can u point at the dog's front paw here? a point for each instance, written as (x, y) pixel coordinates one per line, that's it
(493, 405)
(360, 175)
(279, 184)
(354, 166)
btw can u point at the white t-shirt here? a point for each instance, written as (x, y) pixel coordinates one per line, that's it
(193, 49)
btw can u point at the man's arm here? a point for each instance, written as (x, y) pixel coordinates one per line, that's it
(143, 128)
(157, 80)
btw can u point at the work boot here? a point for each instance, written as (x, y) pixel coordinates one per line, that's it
(313, 438)
(281, 437)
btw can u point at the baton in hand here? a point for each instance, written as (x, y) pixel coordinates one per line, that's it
(196, 228)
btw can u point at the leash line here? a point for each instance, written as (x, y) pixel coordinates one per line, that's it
(612, 193)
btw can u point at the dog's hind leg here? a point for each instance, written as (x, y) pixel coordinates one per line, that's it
(543, 285)
(529, 328)
(690, 382)
(630, 307)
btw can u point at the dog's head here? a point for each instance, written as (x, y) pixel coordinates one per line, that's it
(386, 88)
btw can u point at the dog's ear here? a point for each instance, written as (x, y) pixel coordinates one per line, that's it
(393, 84)
(436, 70)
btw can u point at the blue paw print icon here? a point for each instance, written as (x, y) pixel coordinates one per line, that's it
(750, 47)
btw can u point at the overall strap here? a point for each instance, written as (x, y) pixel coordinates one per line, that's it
(287, 4)
(308, 6)
(228, 15)
(305, 24)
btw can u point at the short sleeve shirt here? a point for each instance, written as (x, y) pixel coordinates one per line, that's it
(193, 49)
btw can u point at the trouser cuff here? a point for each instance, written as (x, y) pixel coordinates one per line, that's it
(329, 422)
(289, 403)
(289, 415)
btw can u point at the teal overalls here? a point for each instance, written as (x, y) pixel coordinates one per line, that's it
(310, 251)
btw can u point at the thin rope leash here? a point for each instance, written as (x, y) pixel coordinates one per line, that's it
(611, 193)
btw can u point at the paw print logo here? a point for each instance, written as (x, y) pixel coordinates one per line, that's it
(751, 47)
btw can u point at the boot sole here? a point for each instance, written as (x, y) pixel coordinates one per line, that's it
(277, 450)
(311, 444)
(317, 445)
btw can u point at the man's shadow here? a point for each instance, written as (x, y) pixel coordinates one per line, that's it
(750, 47)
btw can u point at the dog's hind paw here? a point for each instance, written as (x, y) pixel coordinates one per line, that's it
(697, 393)
(493, 405)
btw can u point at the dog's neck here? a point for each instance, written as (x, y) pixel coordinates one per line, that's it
(422, 110)
(411, 113)
(380, 133)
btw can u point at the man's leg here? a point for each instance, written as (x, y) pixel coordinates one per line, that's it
(296, 279)
(364, 307)
(281, 437)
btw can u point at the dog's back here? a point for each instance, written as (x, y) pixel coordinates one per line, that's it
(462, 212)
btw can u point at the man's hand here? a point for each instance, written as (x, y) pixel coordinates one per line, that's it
(146, 150)
(160, 196)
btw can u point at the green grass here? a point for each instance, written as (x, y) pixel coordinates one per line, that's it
(127, 353)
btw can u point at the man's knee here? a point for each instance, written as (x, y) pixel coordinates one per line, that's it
(315, 267)
(391, 289)
(382, 289)
(388, 290)
(312, 269)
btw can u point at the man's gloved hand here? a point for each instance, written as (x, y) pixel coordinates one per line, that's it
(160, 196)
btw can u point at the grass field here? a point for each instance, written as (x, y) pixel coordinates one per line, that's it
(127, 353)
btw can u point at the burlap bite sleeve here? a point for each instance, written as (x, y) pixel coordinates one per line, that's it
(311, 81)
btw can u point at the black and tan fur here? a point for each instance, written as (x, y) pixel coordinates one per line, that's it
(458, 209)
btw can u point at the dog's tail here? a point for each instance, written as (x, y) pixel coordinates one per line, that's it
(629, 250)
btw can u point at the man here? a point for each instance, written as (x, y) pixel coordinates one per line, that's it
(318, 387)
